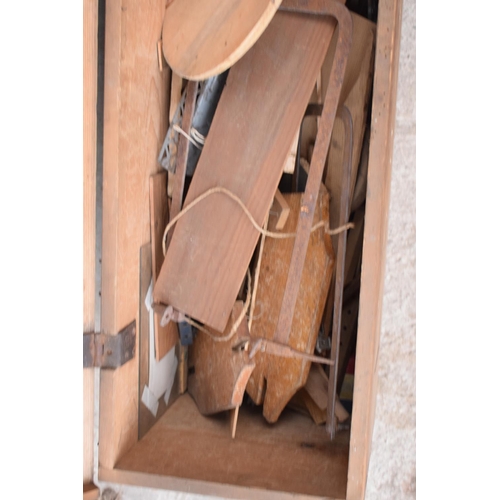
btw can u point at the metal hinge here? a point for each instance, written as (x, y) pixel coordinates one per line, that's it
(109, 351)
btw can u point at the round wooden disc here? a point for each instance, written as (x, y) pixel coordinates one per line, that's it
(203, 38)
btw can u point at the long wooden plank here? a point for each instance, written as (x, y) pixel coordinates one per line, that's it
(90, 23)
(202, 38)
(195, 487)
(374, 243)
(257, 117)
(134, 128)
(165, 336)
(292, 456)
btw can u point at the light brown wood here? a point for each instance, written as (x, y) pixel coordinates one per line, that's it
(90, 22)
(315, 397)
(220, 373)
(373, 272)
(88, 424)
(279, 210)
(278, 458)
(203, 38)
(292, 155)
(135, 95)
(175, 94)
(165, 336)
(90, 492)
(258, 114)
(275, 380)
(355, 95)
(374, 242)
(193, 486)
(90, 15)
(234, 420)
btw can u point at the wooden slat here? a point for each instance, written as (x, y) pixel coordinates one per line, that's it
(135, 124)
(257, 117)
(374, 243)
(193, 486)
(165, 336)
(292, 456)
(202, 38)
(90, 23)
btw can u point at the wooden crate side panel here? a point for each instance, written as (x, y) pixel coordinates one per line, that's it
(135, 123)
(90, 21)
(374, 243)
(196, 487)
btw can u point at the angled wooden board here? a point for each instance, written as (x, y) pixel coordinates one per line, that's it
(260, 109)
(134, 128)
(202, 38)
(275, 380)
(165, 336)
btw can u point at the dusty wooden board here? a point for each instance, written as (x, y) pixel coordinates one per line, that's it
(203, 38)
(90, 492)
(275, 380)
(220, 373)
(374, 242)
(165, 336)
(276, 458)
(135, 124)
(257, 117)
(90, 23)
(356, 91)
(146, 418)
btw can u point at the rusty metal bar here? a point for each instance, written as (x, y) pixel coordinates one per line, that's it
(339, 12)
(109, 351)
(346, 118)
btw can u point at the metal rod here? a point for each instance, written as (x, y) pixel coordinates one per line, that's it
(310, 196)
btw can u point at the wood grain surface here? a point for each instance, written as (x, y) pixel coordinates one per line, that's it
(294, 455)
(135, 124)
(220, 374)
(260, 109)
(275, 380)
(90, 22)
(165, 336)
(202, 38)
(385, 83)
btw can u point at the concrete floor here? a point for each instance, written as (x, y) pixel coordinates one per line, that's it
(392, 472)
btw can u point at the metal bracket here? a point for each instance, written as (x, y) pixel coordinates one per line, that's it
(109, 351)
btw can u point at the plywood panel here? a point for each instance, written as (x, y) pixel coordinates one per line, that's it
(293, 455)
(202, 38)
(135, 124)
(374, 243)
(260, 109)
